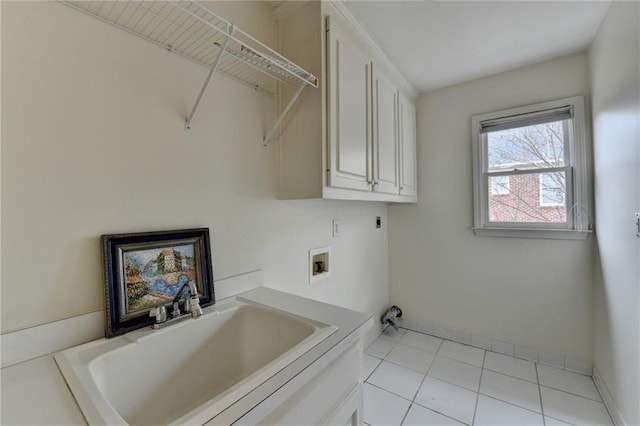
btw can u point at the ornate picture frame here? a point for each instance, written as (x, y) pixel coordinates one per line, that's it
(144, 270)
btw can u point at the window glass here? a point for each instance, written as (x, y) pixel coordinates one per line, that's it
(552, 189)
(499, 185)
(529, 171)
(532, 197)
(529, 147)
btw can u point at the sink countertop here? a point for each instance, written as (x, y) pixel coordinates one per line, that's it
(34, 391)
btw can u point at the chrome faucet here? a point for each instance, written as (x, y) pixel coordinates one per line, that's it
(191, 303)
(160, 314)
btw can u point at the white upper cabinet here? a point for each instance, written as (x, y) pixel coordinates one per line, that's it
(349, 96)
(354, 137)
(385, 134)
(408, 173)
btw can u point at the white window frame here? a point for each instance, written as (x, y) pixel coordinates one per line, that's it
(577, 194)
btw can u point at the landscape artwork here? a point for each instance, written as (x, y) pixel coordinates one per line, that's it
(155, 275)
(143, 270)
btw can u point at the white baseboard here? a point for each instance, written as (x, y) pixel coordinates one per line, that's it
(499, 346)
(372, 334)
(33, 342)
(609, 402)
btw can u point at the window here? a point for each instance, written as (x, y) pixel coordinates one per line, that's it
(530, 171)
(552, 190)
(499, 185)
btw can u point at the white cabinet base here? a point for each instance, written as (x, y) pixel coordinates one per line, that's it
(328, 392)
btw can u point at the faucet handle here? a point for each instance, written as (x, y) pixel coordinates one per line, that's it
(175, 312)
(159, 312)
(195, 308)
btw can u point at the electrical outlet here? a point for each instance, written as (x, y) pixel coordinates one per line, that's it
(335, 224)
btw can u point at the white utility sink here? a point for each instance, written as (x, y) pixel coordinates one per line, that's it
(190, 371)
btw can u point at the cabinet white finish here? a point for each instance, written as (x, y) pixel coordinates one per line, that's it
(385, 131)
(408, 174)
(343, 142)
(349, 73)
(351, 412)
(322, 399)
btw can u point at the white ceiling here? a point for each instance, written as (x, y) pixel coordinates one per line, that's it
(440, 43)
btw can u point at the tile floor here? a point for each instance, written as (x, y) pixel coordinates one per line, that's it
(416, 379)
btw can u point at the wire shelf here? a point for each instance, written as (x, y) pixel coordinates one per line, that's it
(194, 32)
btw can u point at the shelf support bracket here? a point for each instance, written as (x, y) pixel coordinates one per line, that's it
(212, 71)
(266, 140)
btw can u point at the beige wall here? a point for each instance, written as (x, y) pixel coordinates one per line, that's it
(531, 292)
(93, 143)
(615, 78)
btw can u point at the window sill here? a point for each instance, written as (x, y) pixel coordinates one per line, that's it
(552, 234)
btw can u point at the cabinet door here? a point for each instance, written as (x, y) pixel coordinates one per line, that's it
(408, 175)
(334, 393)
(351, 412)
(385, 134)
(349, 113)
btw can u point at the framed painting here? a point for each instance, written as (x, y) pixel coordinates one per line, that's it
(145, 270)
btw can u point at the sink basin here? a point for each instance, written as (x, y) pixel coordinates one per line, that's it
(190, 371)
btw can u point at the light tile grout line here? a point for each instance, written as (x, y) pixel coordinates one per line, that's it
(412, 402)
(406, 414)
(388, 391)
(502, 400)
(404, 366)
(478, 393)
(444, 381)
(574, 394)
(515, 377)
(388, 340)
(544, 422)
(385, 360)
(603, 403)
(423, 350)
(475, 409)
(539, 393)
(513, 405)
(512, 377)
(426, 374)
(560, 390)
(560, 420)
(425, 378)
(500, 353)
(515, 357)
(464, 362)
(373, 371)
(438, 412)
(411, 347)
(509, 402)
